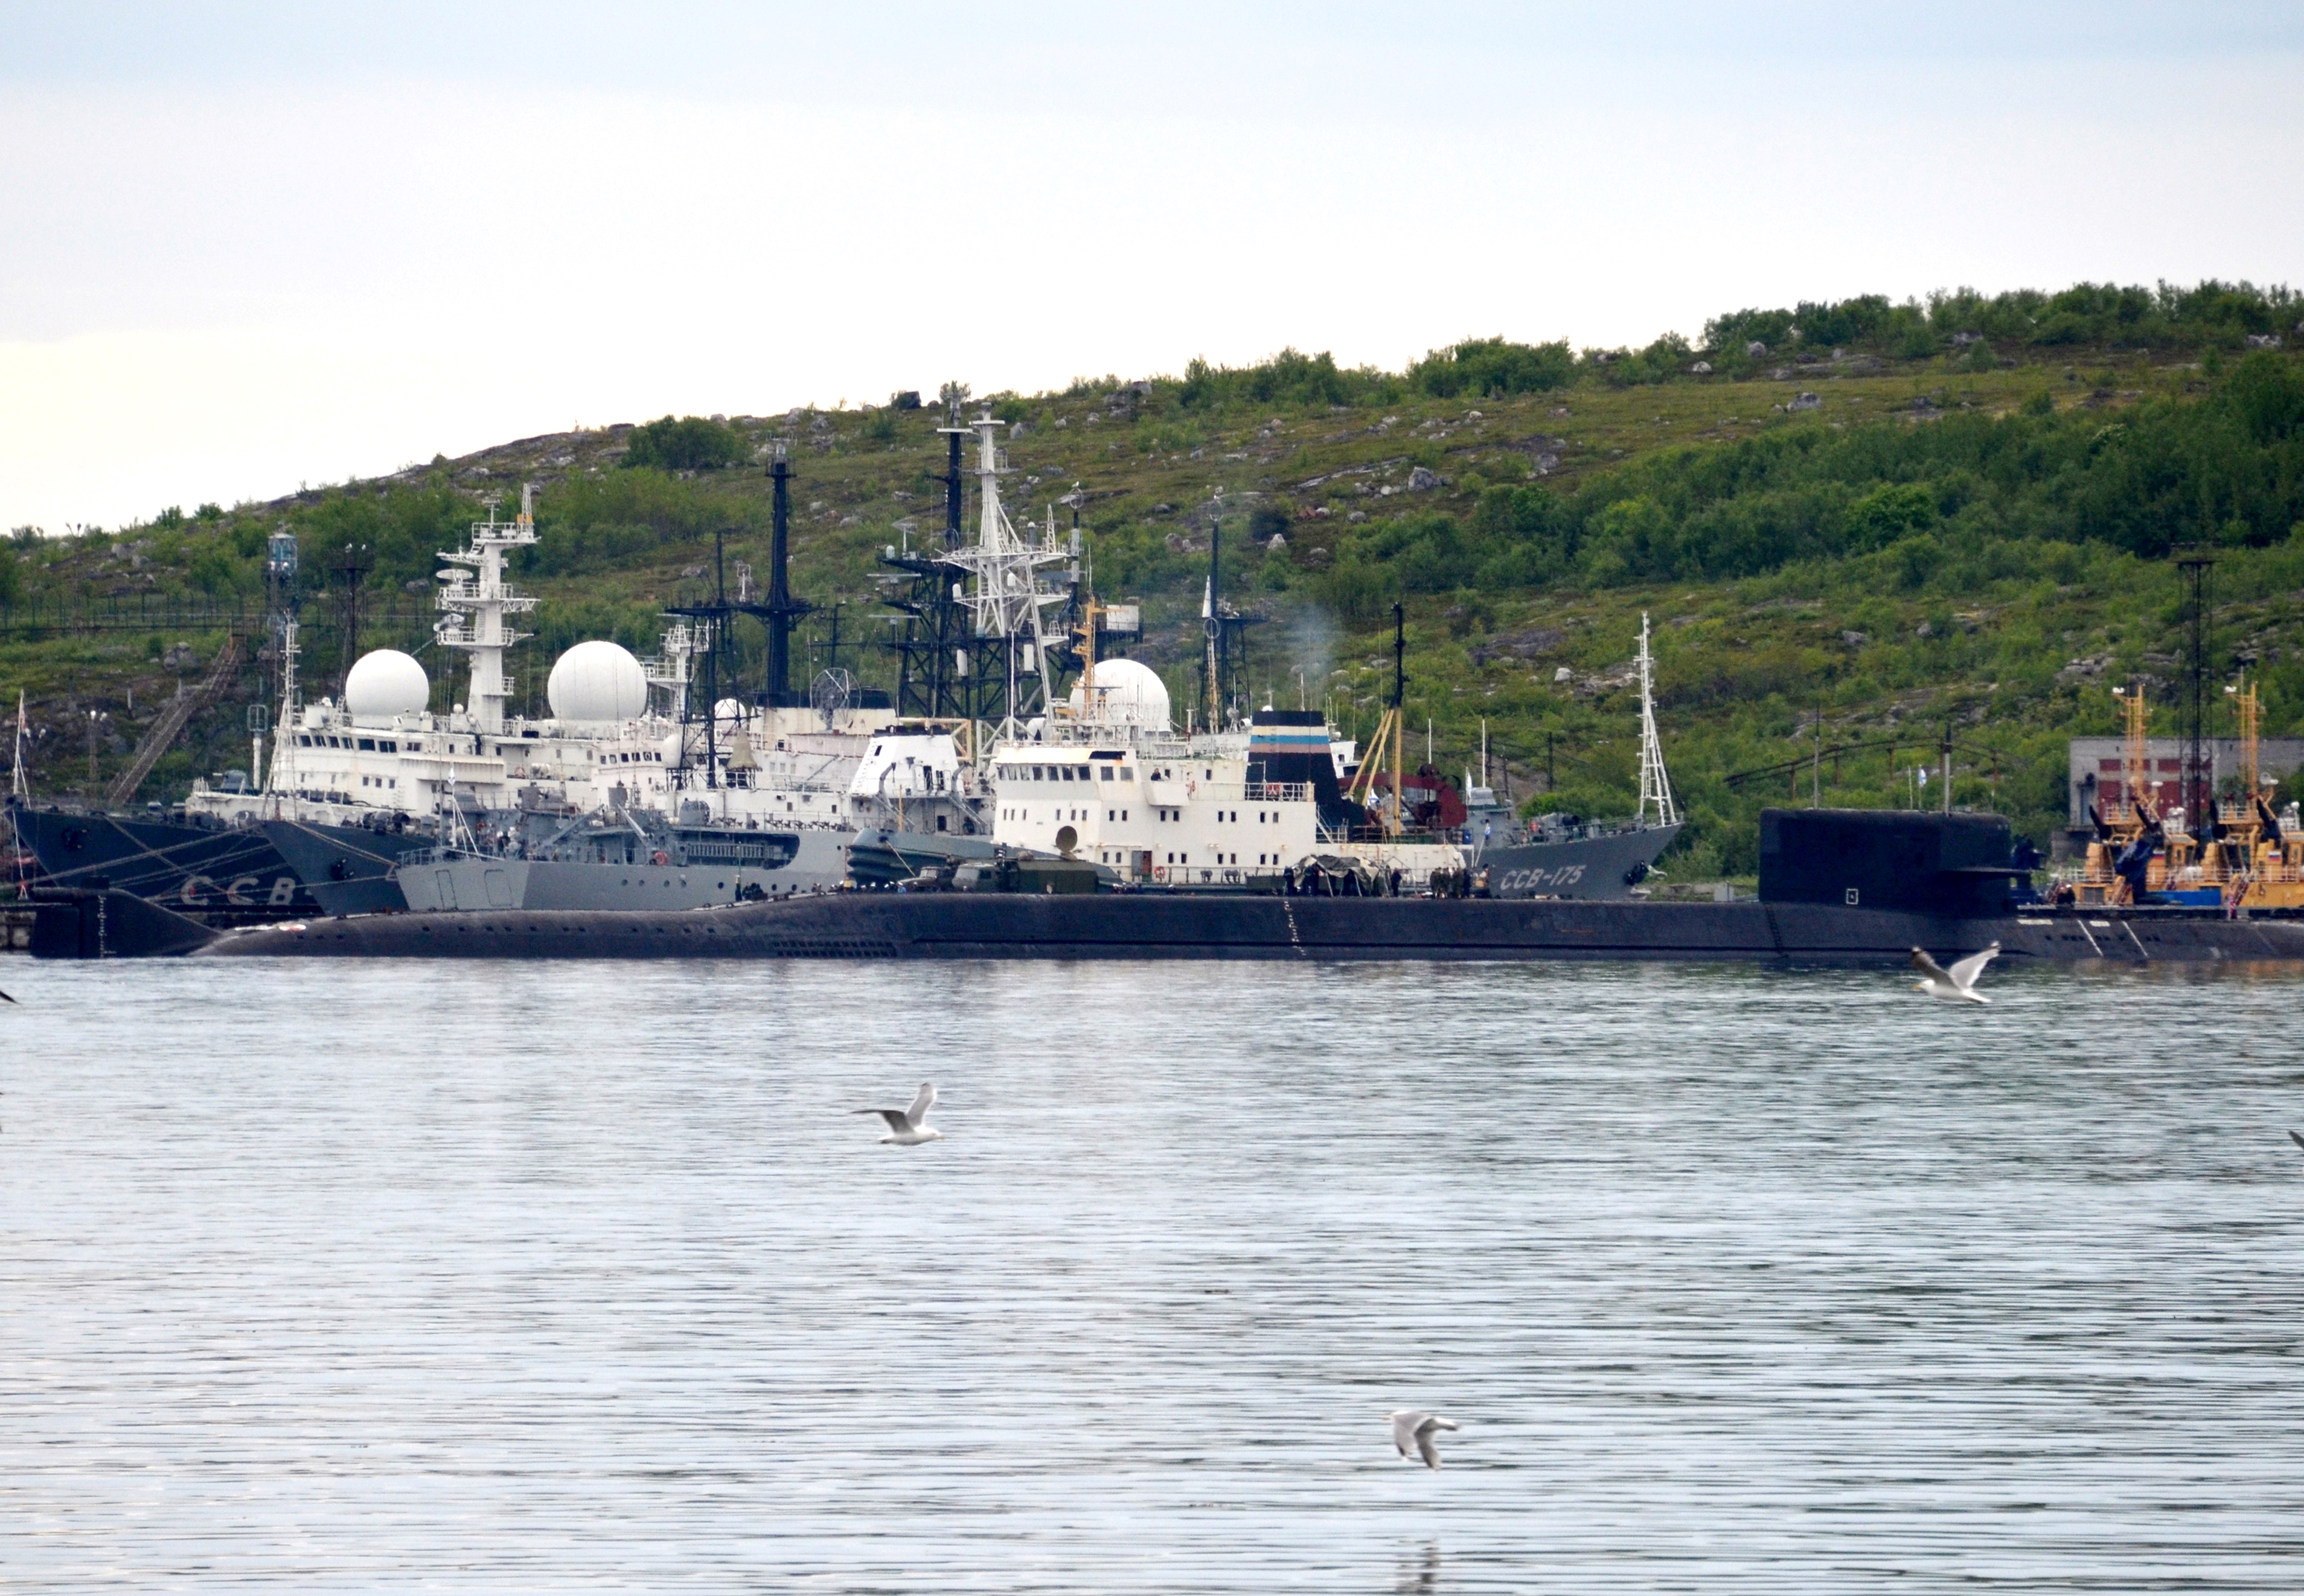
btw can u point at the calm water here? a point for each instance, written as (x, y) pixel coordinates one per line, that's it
(552, 1279)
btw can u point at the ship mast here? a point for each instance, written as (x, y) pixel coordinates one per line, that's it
(280, 581)
(1655, 786)
(1004, 595)
(476, 604)
(2134, 765)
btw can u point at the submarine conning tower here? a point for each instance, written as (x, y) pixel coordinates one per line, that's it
(1904, 859)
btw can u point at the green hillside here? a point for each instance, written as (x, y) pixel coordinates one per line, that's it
(1890, 517)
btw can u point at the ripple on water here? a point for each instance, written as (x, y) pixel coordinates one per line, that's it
(527, 1278)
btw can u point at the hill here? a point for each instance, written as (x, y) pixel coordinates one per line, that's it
(1872, 517)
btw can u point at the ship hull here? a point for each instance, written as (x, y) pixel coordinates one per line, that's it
(818, 864)
(347, 870)
(1158, 925)
(222, 872)
(1591, 869)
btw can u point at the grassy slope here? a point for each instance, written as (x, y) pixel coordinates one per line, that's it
(1744, 667)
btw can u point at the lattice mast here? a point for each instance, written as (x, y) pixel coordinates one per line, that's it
(281, 599)
(2250, 708)
(1004, 596)
(475, 603)
(2134, 765)
(1656, 784)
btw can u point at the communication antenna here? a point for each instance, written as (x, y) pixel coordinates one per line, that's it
(1655, 786)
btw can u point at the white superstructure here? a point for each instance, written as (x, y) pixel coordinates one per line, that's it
(382, 757)
(1116, 786)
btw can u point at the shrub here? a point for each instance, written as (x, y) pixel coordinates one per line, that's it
(1289, 377)
(1888, 513)
(690, 444)
(1493, 367)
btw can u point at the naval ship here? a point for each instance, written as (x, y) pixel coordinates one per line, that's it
(688, 808)
(1564, 856)
(1837, 887)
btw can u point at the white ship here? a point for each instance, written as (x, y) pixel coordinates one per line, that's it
(380, 757)
(1105, 777)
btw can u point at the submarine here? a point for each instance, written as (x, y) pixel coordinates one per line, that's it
(1837, 886)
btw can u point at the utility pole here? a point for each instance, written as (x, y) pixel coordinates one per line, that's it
(1816, 766)
(94, 718)
(2197, 568)
(349, 571)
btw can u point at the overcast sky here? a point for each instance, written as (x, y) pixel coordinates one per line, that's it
(252, 246)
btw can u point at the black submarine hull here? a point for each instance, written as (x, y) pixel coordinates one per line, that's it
(967, 926)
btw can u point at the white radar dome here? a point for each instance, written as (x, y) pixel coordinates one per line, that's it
(1127, 692)
(596, 680)
(385, 683)
(730, 709)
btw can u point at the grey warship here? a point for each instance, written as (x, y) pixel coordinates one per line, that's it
(1564, 856)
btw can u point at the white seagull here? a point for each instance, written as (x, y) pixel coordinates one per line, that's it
(1958, 984)
(1410, 1428)
(909, 1128)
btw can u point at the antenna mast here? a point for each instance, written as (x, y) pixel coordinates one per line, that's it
(1005, 597)
(1655, 786)
(475, 602)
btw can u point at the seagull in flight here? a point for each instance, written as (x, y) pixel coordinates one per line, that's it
(1418, 1429)
(1958, 984)
(909, 1128)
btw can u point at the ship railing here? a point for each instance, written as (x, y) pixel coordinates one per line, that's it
(1279, 792)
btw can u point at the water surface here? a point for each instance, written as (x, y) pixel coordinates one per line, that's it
(555, 1277)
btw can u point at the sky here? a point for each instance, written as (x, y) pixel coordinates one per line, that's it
(253, 247)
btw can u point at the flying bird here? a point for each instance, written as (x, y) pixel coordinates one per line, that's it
(909, 1128)
(1410, 1428)
(1958, 984)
